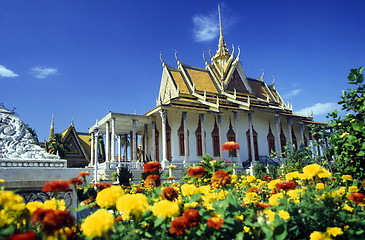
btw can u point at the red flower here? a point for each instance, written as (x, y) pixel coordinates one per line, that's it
(101, 186)
(263, 205)
(285, 185)
(178, 226)
(83, 174)
(169, 193)
(196, 171)
(230, 146)
(75, 181)
(52, 220)
(56, 186)
(220, 178)
(267, 178)
(356, 197)
(23, 236)
(152, 181)
(151, 166)
(193, 217)
(215, 222)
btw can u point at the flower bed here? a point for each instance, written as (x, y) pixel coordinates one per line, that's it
(209, 203)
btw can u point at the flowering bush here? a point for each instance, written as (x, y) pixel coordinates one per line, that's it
(306, 204)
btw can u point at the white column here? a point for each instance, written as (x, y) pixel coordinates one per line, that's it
(92, 150)
(186, 138)
(107, 141)
(145, 147)
(134, 147)
(164, 147)
(202, 120)
(126, 147)
(113, 140)
(277, 138)
(131, 146)
(235, 118)
(96, 162)
(219, 119)
(290, 127)
(301, 128)
(253, 154)
(119, 138)
(153, 152)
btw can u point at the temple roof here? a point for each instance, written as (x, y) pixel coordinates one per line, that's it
(221, 85)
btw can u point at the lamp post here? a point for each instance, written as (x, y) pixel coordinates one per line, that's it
(96, 134)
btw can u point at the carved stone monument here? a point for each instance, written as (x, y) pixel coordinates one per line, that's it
(17, 147)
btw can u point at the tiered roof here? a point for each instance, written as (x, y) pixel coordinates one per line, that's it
(221, 85)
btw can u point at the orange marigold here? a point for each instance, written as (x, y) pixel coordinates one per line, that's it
(285, 185)
(169, 193)
(178, 226)
(101, 186)
(83, 174)
(193, 217)
(356, 197)
(52, 220)
(220, 178)
(23, 236)
(215, 222)
(230, 146)
(151, 166)
(152, 181)
(56, 186)
(196, 171)
(75, 181)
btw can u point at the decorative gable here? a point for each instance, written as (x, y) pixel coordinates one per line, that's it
(236, 83)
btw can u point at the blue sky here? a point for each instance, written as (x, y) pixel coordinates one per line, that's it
(80, 59)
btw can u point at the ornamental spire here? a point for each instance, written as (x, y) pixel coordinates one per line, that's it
(222, 51)
(51, 129)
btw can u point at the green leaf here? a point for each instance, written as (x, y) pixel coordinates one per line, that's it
(159, 221)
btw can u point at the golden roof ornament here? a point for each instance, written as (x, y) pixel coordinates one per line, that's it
(222, 51)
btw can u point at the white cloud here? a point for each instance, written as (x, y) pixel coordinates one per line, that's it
(4, 72)
(292, 93)
(206, 28)
(42, 72)
(319, 109)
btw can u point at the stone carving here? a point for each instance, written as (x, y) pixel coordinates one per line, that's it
(16, 142)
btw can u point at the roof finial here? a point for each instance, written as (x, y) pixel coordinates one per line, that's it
(177, 59)
(220, 21)
(163, 63)
(51, 129)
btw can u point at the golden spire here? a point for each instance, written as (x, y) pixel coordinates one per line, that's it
(51, 129)
(222, 54)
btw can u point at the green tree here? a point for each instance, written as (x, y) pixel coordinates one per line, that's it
(33, 133)
(348, 138)
(57, 145)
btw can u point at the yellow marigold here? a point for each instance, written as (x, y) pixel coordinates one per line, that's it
(312, 169)
(233, 178)
(98, 223)
(251, 197)
(134, 204)
(345, 134)
(251, 178)
(54, 204)
(274, 199)
(348, 208)
(272, 184)
(222, 195)
(353, 189)
(188, 189)
(240, 217)
(292, 175)
(340, 192)
(32, 206)
(165, 209)
(204, 189)
(325, 173)
(319, 236)
(346, 177)
(305, 176)
(190, 205)
(270, 214)
(2, 180)
(246, 229)
(320, 186)
(334, 231)
(108, 196)
(284, 215)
